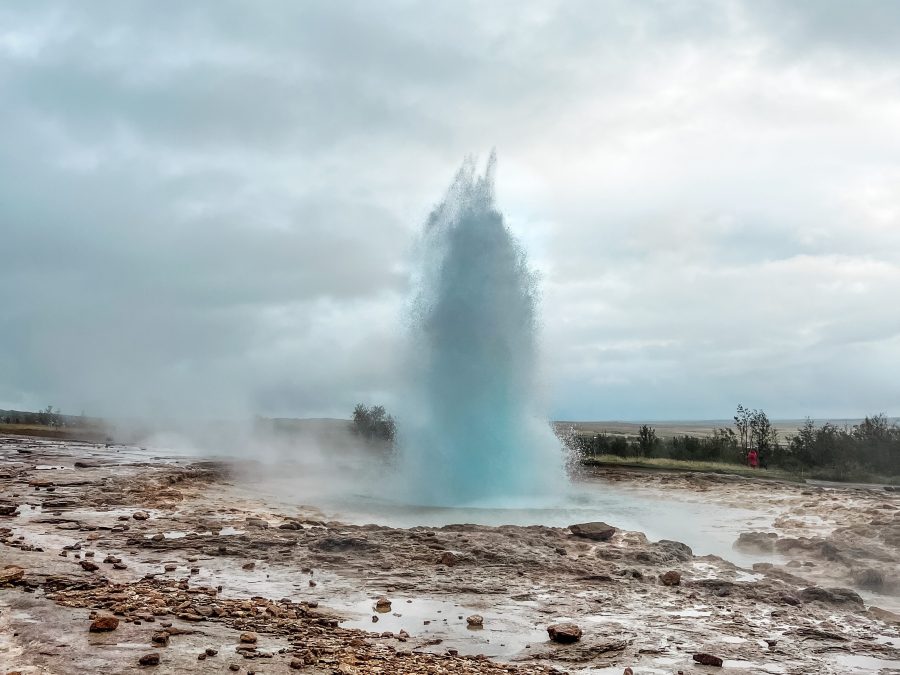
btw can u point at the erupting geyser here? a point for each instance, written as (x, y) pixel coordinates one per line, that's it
(476, 434)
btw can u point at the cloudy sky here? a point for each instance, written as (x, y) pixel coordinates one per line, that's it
(211, 206)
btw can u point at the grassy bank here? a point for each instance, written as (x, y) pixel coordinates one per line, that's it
(89, 434)
(667, 464)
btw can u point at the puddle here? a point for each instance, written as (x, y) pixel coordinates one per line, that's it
(229, 531)
(49, 467)
(503, 633)
(695, 613)
(853, 663)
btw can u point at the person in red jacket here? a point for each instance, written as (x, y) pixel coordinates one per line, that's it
(753, 459)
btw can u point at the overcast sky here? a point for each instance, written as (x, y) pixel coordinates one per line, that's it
(211, 206)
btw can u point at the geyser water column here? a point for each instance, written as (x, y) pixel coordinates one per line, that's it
(476, 435)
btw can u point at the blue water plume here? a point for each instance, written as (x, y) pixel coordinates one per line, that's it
(475, 434)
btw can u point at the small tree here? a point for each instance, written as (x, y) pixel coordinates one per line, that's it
(647, 440)
(374, 423)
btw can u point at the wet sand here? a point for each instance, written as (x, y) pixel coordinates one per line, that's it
(814, 589)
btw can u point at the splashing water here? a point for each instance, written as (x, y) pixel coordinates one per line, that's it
(476, 436)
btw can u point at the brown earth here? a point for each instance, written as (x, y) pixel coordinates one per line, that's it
(205, 569)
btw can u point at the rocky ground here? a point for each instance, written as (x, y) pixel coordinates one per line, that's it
(115, 561)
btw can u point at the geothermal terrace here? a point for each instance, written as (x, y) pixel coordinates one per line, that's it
(120, 560)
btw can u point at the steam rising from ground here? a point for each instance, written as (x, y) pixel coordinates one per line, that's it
(472, 431)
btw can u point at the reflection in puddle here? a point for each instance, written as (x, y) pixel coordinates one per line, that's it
(502, 634)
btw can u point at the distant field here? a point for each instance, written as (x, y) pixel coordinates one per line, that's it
(699, 428)
(684, 465)
(68, 433)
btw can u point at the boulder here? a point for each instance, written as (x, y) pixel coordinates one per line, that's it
(564, 633)
(763, 542)
(104, 624)
(596, 531)
(151, 659)
(708, 660)
(670, 578)
(833, 596)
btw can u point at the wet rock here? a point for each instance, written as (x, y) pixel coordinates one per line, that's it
(670, 578)
(342, 544)
(11, 574)
(869, 579)
(161, 639)
(151, 659)
(885, 615)
(211, 652)
(248, 566)
(708, 660)
(382, 604)
(89, 566)
(234, 667)
(448, 558)
(248, 638)
(104, 624)
(675, 550)
(296, 664)
(8, 509)
(170, 567)
(834, 596)
(564, 633)
(140, 515)
(258, 523)
(476, 620)
(595, 531)
(762, 542)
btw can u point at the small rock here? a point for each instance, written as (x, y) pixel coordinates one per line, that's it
(89, 566)
(211, 652)
(382, 604)
(151, 659)
(295, 664)
(670, 578)
(564, 632)
(11, 573)
(235, 667)
(257, 522)
(170, 567)
(104, 624)
(248, 638)
(449, 558)
(475, 620)
(161, 638)
(140, 515)
(248, 566)
(708, 660)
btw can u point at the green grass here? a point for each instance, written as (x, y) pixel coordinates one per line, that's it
(666, 464)
(90, 434)
(688, 465)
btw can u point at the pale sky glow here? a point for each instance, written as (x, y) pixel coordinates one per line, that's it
(212, 206)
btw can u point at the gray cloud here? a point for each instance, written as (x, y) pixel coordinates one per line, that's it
(212, 207)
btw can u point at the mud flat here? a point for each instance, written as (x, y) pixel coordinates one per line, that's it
(115, 560)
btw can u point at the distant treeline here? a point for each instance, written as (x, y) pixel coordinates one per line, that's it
(869, 448)
(49, 417)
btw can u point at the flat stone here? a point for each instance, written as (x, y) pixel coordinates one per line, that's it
(596, 531)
